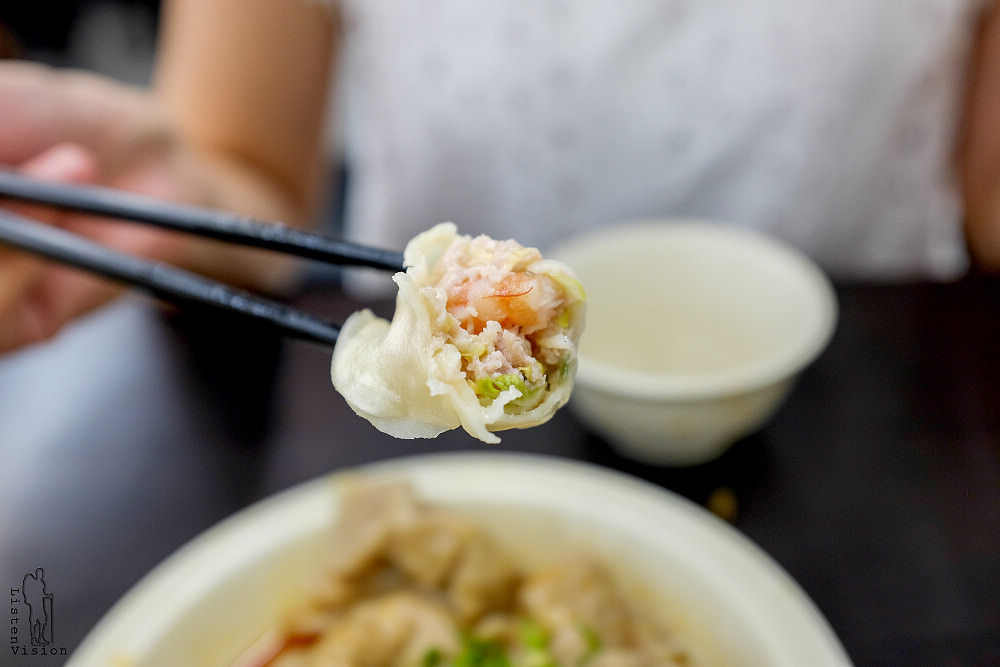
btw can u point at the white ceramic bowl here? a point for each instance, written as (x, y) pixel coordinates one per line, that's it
(696, 332)
(215, 597)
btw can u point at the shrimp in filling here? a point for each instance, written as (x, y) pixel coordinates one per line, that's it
(507, 321)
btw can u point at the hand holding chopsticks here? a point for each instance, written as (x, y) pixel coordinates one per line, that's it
(164, 281)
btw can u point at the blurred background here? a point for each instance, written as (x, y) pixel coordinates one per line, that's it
(113, 37)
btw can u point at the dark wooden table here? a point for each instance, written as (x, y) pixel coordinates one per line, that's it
(877, 486)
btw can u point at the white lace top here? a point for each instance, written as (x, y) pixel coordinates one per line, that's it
(828, 124)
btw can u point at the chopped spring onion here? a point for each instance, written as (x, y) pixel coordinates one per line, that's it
(490, 387)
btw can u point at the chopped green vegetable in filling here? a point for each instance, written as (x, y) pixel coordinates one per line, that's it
(489, 388)
(481, 653)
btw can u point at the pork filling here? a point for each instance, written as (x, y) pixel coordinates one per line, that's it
(507, 322)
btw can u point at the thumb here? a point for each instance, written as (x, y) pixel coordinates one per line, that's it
(65, 163)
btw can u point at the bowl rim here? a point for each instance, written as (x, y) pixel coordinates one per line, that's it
(789, 626)
(743, 379)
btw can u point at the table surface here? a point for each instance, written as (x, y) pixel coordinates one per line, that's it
(876, 486)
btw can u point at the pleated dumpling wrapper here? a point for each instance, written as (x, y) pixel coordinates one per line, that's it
(484, 336)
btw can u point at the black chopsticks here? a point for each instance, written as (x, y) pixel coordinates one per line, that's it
(167, 282)
(210, 223)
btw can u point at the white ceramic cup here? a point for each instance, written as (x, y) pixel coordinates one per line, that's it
(696, 332)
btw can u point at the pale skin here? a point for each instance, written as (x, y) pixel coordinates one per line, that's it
(235, 120)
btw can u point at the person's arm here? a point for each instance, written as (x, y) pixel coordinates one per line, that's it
(245, 83)
(979, 156)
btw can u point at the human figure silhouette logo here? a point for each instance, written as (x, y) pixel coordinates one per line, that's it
(39, 602)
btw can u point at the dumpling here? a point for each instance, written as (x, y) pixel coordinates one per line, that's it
(484, 336)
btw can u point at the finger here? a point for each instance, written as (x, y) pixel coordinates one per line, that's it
(64, 163)
(40, 107)
(18, 271)
(60, 295)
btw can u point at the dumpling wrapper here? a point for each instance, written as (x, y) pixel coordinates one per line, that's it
(409, 378)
